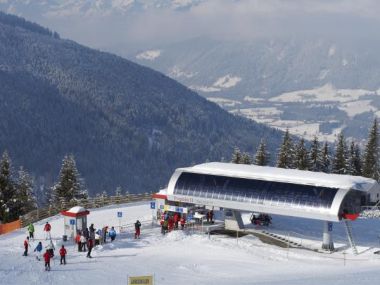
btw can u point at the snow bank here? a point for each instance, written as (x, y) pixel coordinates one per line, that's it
(188, 258)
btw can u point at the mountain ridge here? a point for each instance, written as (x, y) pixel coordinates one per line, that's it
(126, 124)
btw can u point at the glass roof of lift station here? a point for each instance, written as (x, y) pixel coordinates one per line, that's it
(254, 191)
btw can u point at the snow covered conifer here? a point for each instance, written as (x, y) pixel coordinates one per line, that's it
(236, 156)
(371, 167)
(325, 159)
(118, 191)
(25, 198)
(302, 156)
(262, 156)
(285, 157)
(6, 189)
(315, 156)
(340, 163)
(69, 185)
(245, 158)
(354, 160)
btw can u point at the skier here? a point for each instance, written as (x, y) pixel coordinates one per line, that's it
(183, 221)
(83, 242)
(50, 249)
(90, 245)
(212, 216)
(112, 234)
(31, 231)
(104, 231)
(170, 224)
(99, 232)
(62, 253)
(91, 232)
(47, 260)
(38, 249)
(137, 229)
(26, 245)
(78, 241)
(47, 229)
(165, 227)
(86, 234)
(176, 220)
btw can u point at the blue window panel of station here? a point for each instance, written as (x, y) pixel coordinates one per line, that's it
(242, 189)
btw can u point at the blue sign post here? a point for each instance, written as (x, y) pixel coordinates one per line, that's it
(72, 222)
(153, 205)
(119, 214)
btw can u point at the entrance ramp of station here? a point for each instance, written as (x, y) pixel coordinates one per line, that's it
(275, 239)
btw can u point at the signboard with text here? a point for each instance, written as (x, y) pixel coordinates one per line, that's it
(138, 280)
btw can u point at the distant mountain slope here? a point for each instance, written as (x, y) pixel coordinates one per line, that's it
(336, 80)
(126, 124)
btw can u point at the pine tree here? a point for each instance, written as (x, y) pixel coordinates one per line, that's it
(26, 200)
(236, 156)
(302, 156)
(340, 163)
(7, 186)
(315, 155)
(325, 159)
(262, 156)
(245, 158)
(371, 167)
(286, 154)
(118, 191)
(69, 186)
(354, 160)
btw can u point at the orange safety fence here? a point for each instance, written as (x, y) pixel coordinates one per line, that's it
(10, 227)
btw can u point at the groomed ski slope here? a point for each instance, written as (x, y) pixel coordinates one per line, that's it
(192, 258)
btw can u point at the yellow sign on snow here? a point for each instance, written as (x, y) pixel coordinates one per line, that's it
(140, 280)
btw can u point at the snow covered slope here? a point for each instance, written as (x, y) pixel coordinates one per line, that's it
(191, 258)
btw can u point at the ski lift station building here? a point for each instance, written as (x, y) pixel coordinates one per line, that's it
(270, 190)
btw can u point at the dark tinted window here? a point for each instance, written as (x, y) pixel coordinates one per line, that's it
(253, 191)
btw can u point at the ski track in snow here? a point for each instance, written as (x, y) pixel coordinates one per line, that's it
(192, 258)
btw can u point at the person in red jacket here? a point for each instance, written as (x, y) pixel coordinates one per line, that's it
(176, 220)
(170, 224)
(62, 253)
(47, 260)
(47, 229)
(90, 245)
(183, 222)
(26, 246)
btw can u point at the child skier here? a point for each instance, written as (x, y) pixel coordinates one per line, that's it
(62, 253)
(38, 249)
(112, 233)
(26, 245)
(47, 260)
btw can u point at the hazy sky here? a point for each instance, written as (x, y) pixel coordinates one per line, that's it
(236, 19)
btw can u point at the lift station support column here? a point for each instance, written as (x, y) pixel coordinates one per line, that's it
(328, 243)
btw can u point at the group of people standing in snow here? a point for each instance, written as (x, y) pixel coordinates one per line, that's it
(85, 239)
(90, 237)
(49, 248)
(171, 221)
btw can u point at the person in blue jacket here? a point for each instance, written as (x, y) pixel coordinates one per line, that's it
(112, 233)
(38, 249)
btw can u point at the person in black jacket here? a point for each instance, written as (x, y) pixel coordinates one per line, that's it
(137, 229)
